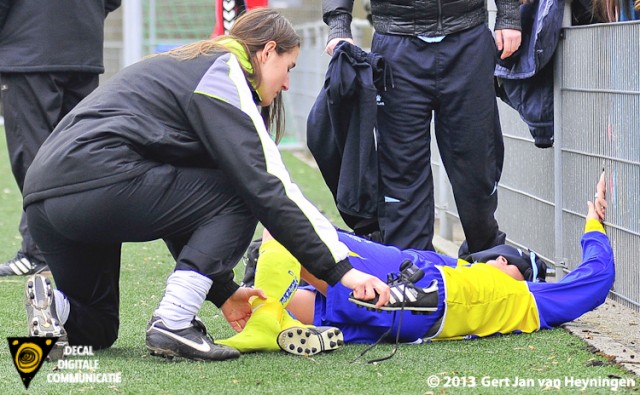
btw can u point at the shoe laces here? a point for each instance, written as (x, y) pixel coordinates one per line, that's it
(199, 326)
(404, 277)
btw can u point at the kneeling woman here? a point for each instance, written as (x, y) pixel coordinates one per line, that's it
(175, 147)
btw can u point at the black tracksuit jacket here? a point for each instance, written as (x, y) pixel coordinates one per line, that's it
(190, 113)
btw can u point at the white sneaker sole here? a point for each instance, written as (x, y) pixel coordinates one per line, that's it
(38, 301)
(310, 341)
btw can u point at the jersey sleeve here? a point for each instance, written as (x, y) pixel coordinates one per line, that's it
(584, 288)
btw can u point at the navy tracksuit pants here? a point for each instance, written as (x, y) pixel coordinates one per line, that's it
(453, 80)
(205, 224)
(33, 104)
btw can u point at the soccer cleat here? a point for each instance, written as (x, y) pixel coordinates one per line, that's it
(308, 341)
(42, 319)
(21, 265)
(191, 342)
(405, 295)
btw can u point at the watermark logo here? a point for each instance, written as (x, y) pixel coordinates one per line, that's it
(28, 354)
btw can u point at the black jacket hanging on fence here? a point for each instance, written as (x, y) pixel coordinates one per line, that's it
(525, 82)
(341, 133)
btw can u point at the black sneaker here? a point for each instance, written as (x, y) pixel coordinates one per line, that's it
(310, 341)
(191, 342)
(41, 314)
(21, 265)
(405, 295)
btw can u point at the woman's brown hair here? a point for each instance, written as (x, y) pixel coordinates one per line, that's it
(253, 30)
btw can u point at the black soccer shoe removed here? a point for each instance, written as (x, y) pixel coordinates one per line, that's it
(405, 295)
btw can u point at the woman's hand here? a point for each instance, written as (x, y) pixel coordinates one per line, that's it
(366, 286)
(237, 309)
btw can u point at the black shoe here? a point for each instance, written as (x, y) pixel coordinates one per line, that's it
(310, 341)
(191, 342)
(21, 265)
(41, 314)
(405, 295)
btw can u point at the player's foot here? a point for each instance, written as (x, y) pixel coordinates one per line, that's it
(261, 330)
(22, 265)
(41, 314)
(405, 295)
(191, 342)
(310, 340)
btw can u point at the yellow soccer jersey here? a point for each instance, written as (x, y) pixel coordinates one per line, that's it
(482, 300)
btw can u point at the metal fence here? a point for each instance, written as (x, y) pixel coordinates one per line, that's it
(543, 192)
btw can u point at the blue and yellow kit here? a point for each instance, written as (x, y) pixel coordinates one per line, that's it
(476, 300)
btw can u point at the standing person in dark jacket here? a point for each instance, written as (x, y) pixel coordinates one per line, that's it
(50, 59)
(442, 56)
(175, 147)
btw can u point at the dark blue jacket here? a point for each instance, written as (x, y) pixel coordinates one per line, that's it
(341, 131)
(525, 80)
(53, 35)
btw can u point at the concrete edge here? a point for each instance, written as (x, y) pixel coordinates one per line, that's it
(622, 355)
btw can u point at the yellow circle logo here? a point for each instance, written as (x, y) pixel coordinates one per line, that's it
(28, 357)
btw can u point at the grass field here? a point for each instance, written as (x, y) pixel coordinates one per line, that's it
(547, 360)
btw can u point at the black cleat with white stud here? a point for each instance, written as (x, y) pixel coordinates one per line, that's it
(405, 295)
(309, 341)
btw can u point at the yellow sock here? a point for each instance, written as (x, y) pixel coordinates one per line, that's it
(261, 331)
(278, 275)
(289, 322)
(277, 272)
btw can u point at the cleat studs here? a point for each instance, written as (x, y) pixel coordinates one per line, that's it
(299, 331)
(290, 334)
(314, 350)
(340, 343)
(332, 344)
(307, 333)
(307, 351)
(303, 341)
(47, 281)
(36, 332)
(292, 347)
(300, 350)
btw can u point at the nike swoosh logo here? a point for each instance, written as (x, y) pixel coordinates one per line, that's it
(202, 346)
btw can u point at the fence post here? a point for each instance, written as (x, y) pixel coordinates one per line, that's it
(132, 25)
(557, 153)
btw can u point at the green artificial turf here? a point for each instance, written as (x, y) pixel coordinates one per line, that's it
(485, 366)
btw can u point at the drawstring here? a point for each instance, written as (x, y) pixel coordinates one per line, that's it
(384, 335)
